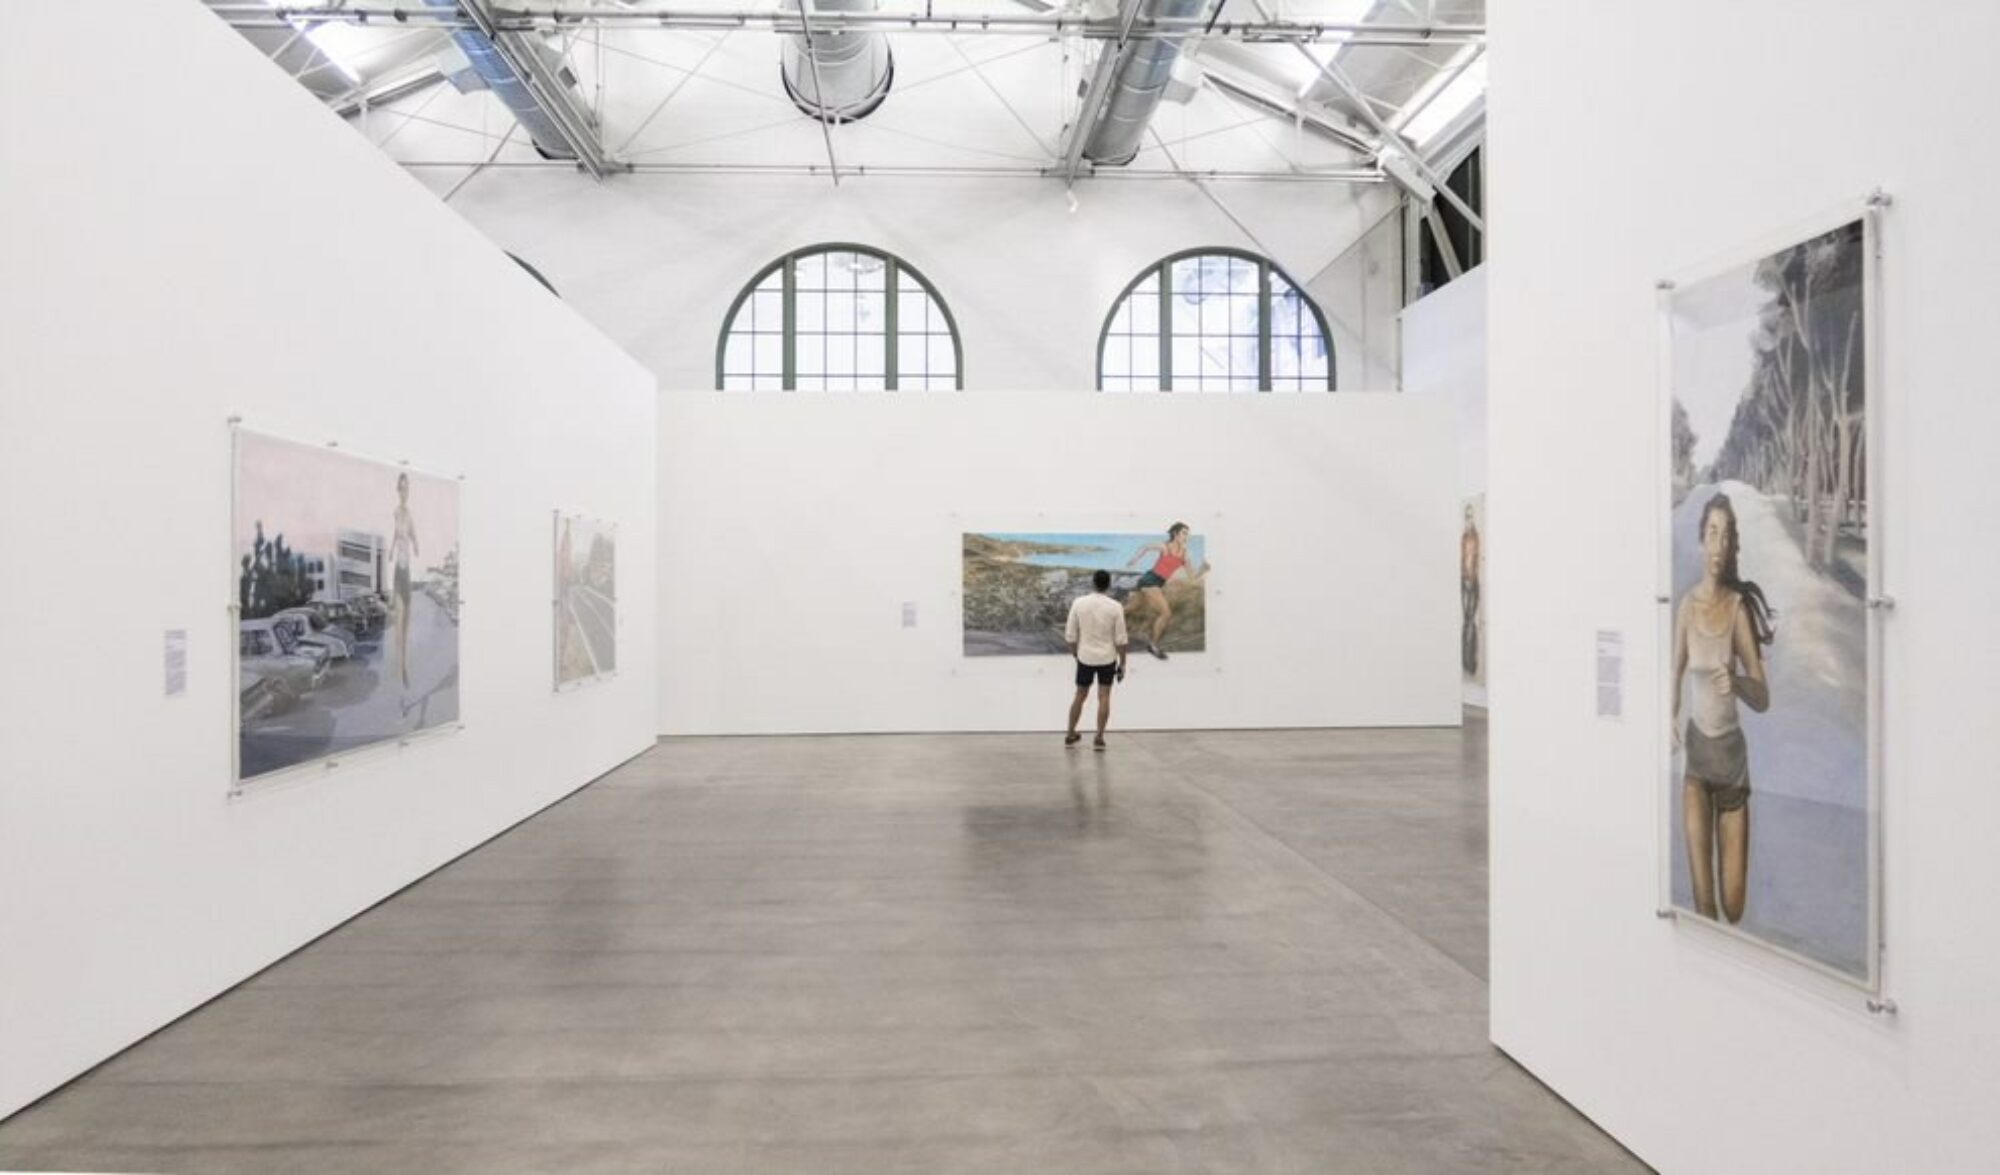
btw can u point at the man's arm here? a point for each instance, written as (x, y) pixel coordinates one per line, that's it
(1120, 638)
(1071, 635)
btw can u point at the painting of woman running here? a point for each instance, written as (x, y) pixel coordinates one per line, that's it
(1018, 588)
(1769, 821)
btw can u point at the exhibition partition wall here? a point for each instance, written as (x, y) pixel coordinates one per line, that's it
(846, 562)
(1444, 355)
(1737, 422)
(344, 598)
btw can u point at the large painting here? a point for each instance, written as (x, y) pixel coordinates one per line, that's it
(586, 599)
(1770, 812)
(1018, 589)
(346, 576)
(1472, 593)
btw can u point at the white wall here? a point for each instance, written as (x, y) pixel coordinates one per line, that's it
(1444, 356)
(796, 527)
(188, 236)
(1708, 126)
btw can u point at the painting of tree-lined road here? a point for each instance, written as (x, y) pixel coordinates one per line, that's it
(586, 599)
(1770, 507)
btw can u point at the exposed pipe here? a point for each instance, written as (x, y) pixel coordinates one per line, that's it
(1138, 85)
(835, 74)
(498, 74)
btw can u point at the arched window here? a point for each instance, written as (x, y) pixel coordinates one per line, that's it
(839, 318)
(1214, 320)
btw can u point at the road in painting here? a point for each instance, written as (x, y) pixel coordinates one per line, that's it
(346, 577)
(1770, 527)
(586, 599)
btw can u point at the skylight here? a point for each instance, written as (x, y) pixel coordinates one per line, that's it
(341, 44)
(1434, 113)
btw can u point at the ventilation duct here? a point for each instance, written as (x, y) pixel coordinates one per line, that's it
(1138, 84)
(854, 69)
(476, 63)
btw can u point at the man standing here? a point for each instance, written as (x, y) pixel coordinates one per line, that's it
(1096, 635)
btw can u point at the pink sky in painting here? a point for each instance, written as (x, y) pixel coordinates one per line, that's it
(309, 493)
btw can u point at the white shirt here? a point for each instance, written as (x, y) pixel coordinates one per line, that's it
(1096, 626)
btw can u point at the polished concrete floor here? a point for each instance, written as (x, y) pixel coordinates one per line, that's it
(1197, 952)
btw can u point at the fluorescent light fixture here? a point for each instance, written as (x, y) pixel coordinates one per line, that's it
(341, 44)
(1433, 114)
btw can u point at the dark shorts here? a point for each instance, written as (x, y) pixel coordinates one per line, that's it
(1150, 580)
(1103, 674)
(1721, 764)
(403, 583)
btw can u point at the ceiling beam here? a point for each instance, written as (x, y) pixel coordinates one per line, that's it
(1012, 22)
(1108, 59)
(554, 98)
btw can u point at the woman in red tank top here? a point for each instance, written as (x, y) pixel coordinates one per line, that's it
(1172, 559)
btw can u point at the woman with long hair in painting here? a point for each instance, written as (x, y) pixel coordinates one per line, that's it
(402, 550)
(1170, 559)
(1720, 630)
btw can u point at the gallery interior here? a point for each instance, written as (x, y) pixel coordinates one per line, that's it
(556, 544)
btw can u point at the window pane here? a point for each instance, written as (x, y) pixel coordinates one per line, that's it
(1121, 319)
(1115, 384)
(943, 355)
(840, 311)
(1145, 314)
(733, 383)
(812, 272)
(1187, 312)
(869, 355)
(1214, 359)
(767, 310)
(910, 354)
(870, 273)
(769, 354)
(1146, 357)
(1117, 356)
(839, 383)
(736, 353)
(1187, 360)
(812, 311)
(871, 313)
(840, 354)
(812, 383)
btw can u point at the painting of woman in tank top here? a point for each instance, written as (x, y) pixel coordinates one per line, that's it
(1769, 817)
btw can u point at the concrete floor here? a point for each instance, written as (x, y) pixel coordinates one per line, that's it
(1198, 952)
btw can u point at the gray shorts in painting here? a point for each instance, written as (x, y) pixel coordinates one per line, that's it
(1721, 764)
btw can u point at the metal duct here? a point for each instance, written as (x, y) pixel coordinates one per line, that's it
(498, 76)
(853, 70)
(1144, 69)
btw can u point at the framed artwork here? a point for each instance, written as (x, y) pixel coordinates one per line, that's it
(347, 602)
(586, 599)
(1018, 589)
(1771, 812)
(1472, 592)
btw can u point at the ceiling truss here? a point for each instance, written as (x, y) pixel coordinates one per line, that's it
(1371, 136)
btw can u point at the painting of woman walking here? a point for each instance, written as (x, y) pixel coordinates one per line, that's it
(1769, 819)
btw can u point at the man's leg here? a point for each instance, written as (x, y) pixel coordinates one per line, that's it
(1103, 710)
(1076, 708)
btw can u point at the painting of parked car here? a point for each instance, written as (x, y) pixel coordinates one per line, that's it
(347, 603)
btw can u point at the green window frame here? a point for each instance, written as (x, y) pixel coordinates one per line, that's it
(817, 319)
(1155, 337)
